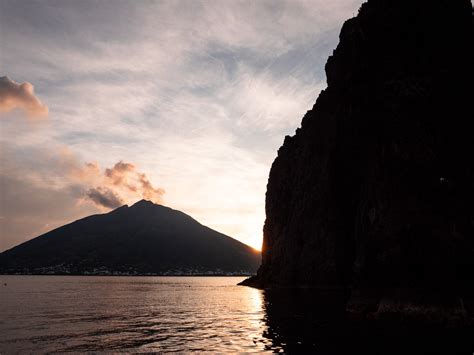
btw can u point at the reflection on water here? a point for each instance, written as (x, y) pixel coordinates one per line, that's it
(307, 321)
(302, 320)
(65, 313)
(144, 314)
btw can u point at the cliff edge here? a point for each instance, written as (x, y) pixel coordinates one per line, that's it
(375, 192)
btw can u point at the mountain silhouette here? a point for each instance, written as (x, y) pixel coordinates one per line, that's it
(144, 238)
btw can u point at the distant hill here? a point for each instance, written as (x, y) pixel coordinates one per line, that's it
(142, 239)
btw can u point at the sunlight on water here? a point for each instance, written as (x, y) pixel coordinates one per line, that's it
(62, 313)
(151, 314)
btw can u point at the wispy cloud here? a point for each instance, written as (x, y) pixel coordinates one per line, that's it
(197, 94)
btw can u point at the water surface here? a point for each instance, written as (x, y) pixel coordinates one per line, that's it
(75, 313)
(144, 314)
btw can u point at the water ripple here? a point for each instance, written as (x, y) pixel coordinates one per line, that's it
(58, 314)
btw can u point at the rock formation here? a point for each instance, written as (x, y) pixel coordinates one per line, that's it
(375, 191)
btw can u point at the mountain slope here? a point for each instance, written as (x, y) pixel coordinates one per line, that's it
(144, 238)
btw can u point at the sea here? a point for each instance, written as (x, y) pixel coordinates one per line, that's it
(40, 314)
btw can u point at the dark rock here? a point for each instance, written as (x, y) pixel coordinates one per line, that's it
(376, 189)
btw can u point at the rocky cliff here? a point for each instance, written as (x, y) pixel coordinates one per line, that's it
(376, 189)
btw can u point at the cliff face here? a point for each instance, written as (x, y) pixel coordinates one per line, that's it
(376, 189)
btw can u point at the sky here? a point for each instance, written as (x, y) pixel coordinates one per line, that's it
(185, 103)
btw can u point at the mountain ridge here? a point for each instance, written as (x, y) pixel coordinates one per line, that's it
(175, 237)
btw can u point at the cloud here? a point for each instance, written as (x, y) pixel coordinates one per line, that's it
(88, 171)
(103, 196)
(261, 100)
(122, 179)
(118, 174)
(20, 96)
(44, 188)
(197, 93)
(147, 190)
(30, 208)
(112, 186)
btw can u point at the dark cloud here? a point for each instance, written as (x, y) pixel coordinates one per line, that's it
(104, 197)
(20, 96)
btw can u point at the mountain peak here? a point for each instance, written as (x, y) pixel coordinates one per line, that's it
(142, 239)
(144, 202)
